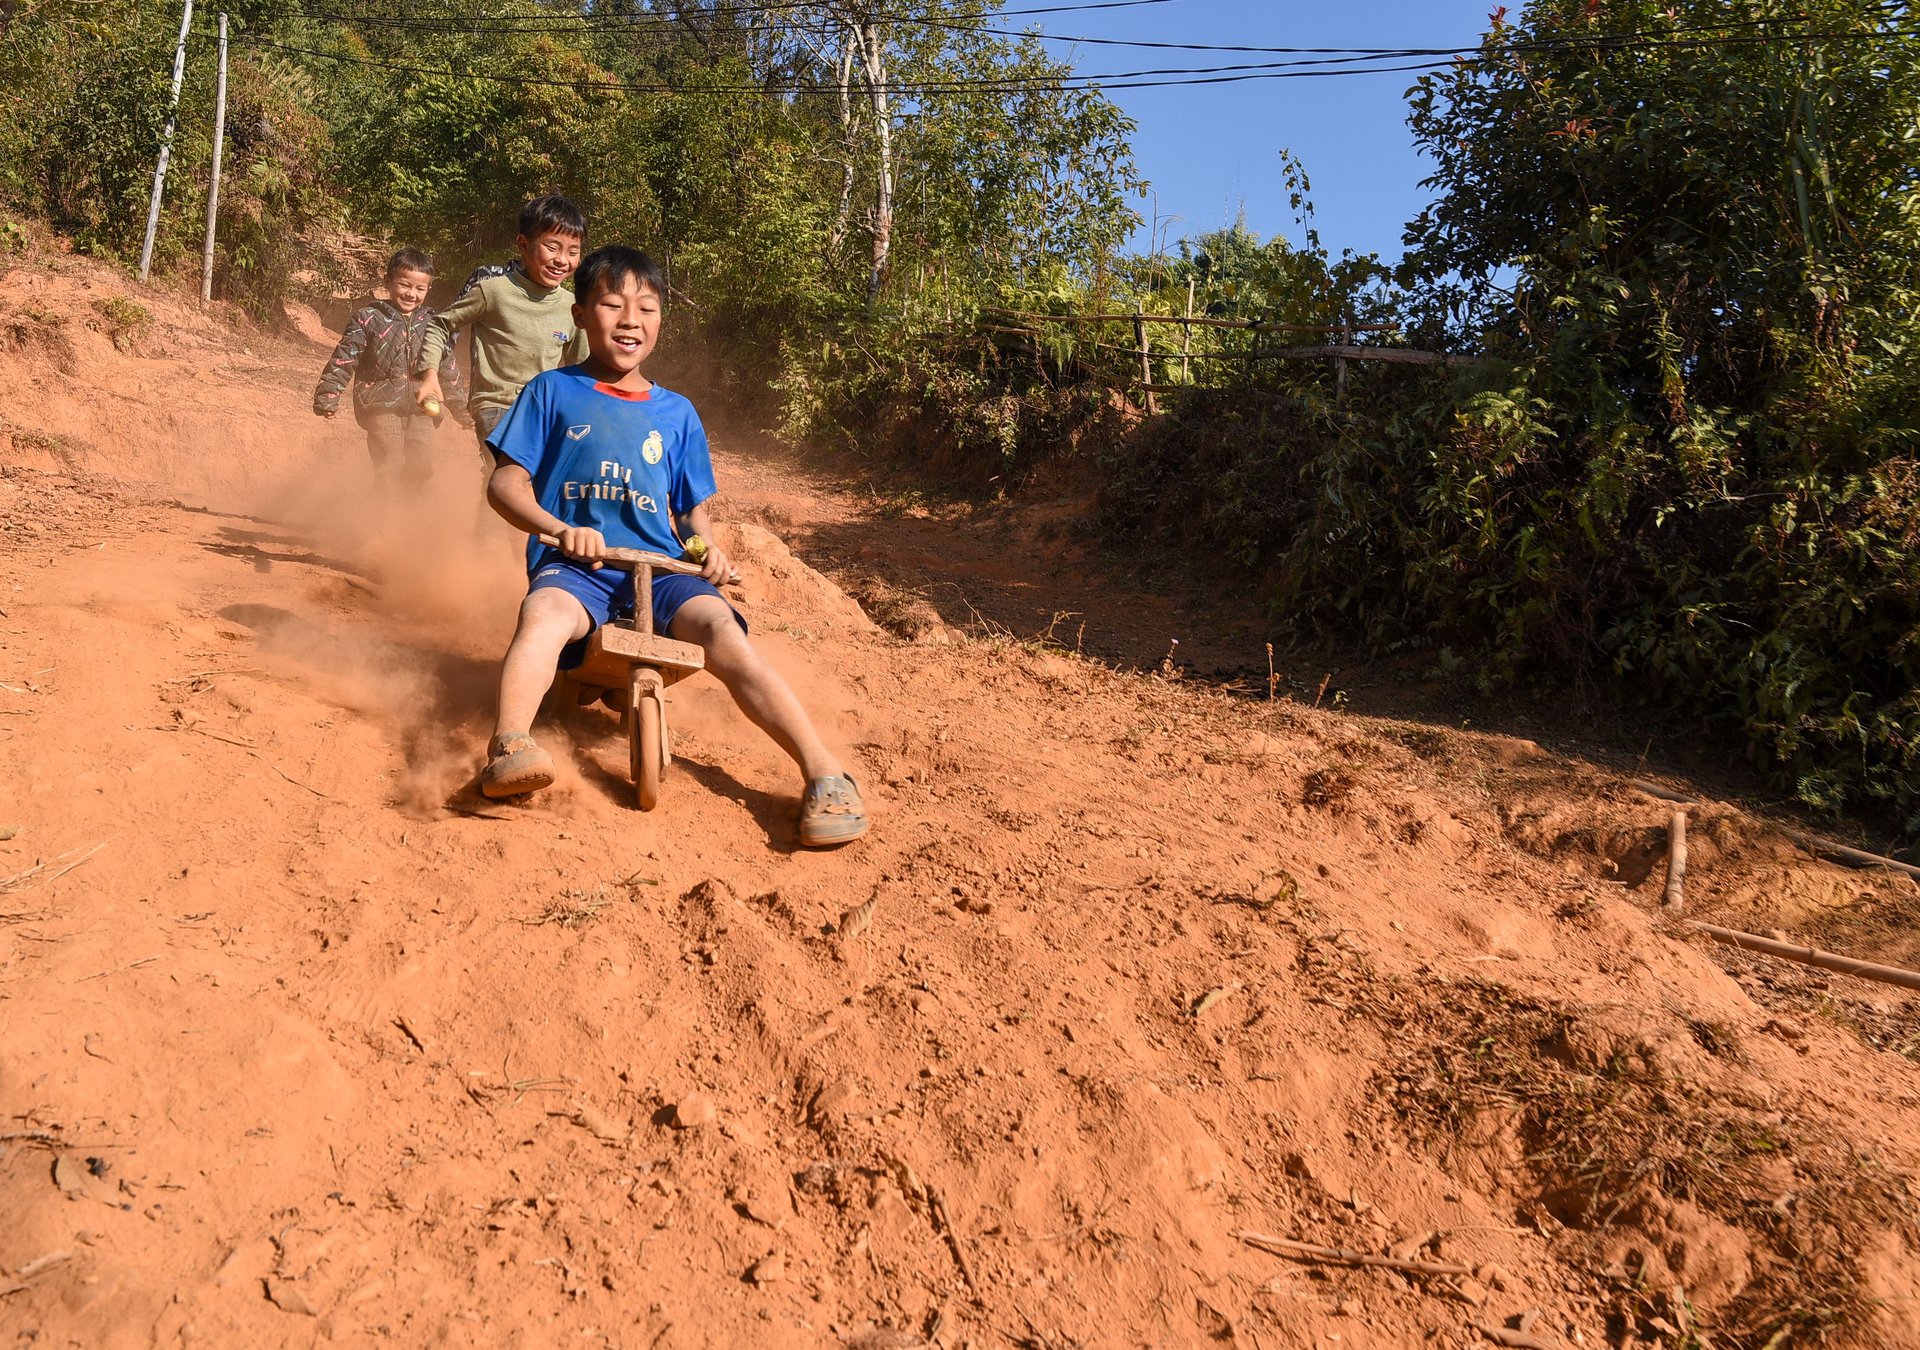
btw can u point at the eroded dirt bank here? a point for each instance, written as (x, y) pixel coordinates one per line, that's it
(304, 1043)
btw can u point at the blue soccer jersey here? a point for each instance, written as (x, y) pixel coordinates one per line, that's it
(622, 463)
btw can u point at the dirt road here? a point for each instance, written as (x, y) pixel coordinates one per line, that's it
(305, 1043)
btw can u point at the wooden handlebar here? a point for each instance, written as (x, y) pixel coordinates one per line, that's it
(630, 558)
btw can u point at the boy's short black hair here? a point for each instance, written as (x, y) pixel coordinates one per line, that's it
(552, 214)
(611, 267)
(409, 260)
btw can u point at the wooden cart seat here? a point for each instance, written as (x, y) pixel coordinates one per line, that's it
(614, 648)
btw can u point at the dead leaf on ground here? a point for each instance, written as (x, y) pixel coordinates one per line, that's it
(1211, 997)
(288, 1299)
(858, 919)
(597, 1125)
(69, 1175)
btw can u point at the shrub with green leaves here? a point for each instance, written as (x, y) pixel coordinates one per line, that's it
(1692, 261)
(1682, 239)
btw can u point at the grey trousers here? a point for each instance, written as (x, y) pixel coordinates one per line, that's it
(401, 446)
(484, 421)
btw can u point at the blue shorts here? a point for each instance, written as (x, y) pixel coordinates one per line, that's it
(608, 594)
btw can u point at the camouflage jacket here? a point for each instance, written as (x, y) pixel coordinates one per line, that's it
(377, 353)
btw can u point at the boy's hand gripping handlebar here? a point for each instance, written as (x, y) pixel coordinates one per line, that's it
(630, 558)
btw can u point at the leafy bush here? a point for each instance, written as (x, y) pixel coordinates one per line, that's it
(1686, 459)
(1691, 460)
(125, 320)
(968, 416)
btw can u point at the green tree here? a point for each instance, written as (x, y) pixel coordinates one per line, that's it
(1687, 234)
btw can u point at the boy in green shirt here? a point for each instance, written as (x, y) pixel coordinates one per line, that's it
(521, 315)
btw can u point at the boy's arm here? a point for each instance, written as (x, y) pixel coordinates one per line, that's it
(693, 487)
(510, 492)
(454, 388)
(339, 371)
(439, 342)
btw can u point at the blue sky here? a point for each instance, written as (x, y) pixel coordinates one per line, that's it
(1209, 149)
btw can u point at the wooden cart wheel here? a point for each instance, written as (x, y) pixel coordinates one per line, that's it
(645, 736)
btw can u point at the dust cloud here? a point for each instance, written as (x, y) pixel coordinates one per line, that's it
(432, 579)
(428, 580)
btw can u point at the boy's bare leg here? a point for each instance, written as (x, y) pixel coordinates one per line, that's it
(763, 696)
(549, 620)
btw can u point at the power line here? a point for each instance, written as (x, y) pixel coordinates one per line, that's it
(1171, 77)
(586, 23)
(1132, 79)
(1890, 7)
(575, 21)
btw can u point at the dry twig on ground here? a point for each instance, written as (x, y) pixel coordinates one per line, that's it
(1313, 1251)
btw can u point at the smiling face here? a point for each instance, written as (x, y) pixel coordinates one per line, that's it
(408, 289)
(549, 259)
(621, 323)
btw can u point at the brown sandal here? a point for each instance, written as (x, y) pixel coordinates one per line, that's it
(516, 766)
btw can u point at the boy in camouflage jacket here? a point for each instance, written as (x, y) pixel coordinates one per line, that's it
(377, 353)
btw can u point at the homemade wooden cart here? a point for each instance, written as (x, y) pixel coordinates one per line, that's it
(628, 656)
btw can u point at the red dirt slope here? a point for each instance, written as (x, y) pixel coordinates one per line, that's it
(304, 1043)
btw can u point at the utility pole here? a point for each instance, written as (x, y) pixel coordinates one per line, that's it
(213, 187)
(166, 141)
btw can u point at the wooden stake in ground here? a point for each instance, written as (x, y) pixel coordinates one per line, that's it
(1826, 848)
(1186, 338)
(1340, 364)
(1810, 956)
(1146, 357)
(1676, 860)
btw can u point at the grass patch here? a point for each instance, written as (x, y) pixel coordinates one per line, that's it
(72, 454)
(122, 320)
(572, 909)
(1607, 1131)
(28, 329)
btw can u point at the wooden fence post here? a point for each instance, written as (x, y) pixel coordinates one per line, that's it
(1146, 363)
(1340, 362)
(1186, 338)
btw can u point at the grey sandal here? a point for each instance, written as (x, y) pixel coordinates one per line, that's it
(831, 812)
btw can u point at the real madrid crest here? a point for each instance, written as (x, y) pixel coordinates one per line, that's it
(654, 447)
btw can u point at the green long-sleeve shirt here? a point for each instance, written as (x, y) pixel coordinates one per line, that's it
(519, 331)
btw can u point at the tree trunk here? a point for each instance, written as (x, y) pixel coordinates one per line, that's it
(838, 234)
(873, 59)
